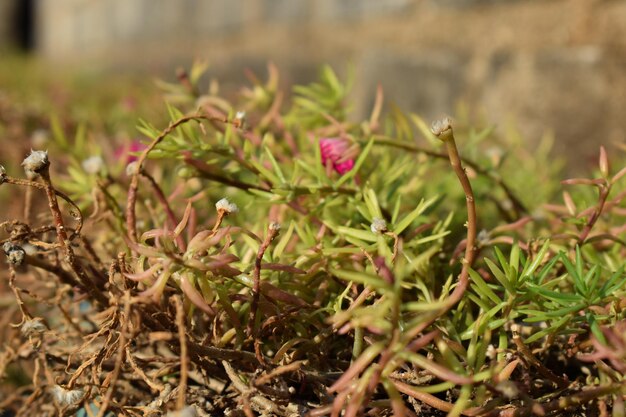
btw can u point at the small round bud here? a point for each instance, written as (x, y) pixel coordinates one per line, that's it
(226, 206)
(15, 254)
(33, 326)
(240, 119)
(492, 352)
(442, 128)
(35, 162)
(378, 225)
(483, 238)
(67, 397)
(508, 389)
(93, 164)
(131, 169)
(604, 162)
(274, 226)
(16, 257)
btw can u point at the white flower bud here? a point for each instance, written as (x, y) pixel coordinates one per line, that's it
(16, 257)
(93, 164)
(33, 326)
(492, 352)
(483, 237)
(274, 226)
(378, 225)
(240, 119)
(66, 397)
(131, 169)
(442, 128)
(226, 206)
(508, 389)
(14, 253)
(35, 162)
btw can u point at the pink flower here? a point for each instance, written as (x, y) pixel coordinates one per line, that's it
(337, 152)
(124, 153)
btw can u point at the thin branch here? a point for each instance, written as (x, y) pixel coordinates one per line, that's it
(272, 232)
(184, 358)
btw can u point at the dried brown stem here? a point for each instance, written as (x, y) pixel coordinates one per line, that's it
(260, 403)
(541, 368)
(119, 359)
(20, 302)
(272, 232)
(70, 258)
(560, 404)
(430, 399)
(292, 367)
(184, 358)
(63, 275)
(44, 186)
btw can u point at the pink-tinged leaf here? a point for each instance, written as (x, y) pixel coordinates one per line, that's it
(207, 239)
(154, 233)
(196, 264)
(554, 208)
(357, 367)
(277, 294)
(513, 226)
(194, 296)
(569, 203)
(619, 175)
(140, 276)
(583, 181)
(345, 328)
(283, 268)
(424, 397)
(603, 162)
(157, 288)
(220, 264)
(586, 212)
(183, 223)
(142, 249)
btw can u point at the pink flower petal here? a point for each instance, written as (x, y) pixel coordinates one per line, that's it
(333, 150)
(125, 152)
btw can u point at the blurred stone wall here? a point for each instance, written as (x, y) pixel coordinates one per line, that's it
(548, 64)
(8, 10)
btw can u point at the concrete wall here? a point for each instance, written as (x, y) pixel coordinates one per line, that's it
(552, 64)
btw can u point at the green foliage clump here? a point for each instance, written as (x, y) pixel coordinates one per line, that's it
(308, 263)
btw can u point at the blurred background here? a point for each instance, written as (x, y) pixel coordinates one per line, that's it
(543, 65)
